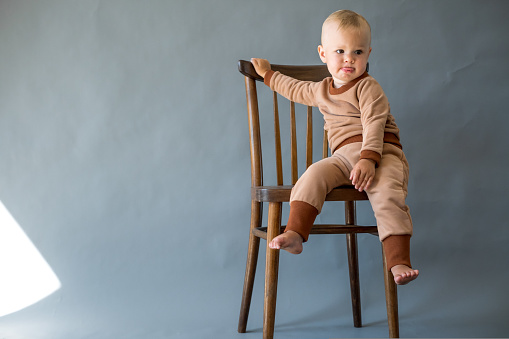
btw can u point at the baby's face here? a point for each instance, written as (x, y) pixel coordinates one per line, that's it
(345, 51)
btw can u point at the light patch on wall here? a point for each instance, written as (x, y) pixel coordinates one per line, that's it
(25, 277)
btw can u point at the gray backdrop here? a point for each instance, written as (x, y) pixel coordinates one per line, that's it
(124, 157)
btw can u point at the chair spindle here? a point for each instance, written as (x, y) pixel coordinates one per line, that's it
(325, 146)
(277, 137)
(309, 137)
(293, 143)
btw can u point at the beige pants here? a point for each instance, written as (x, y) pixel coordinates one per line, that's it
(386, 194)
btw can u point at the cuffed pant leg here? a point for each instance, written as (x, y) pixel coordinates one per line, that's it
(397, 250)
(301, 219)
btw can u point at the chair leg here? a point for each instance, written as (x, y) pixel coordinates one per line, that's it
(252, 259)
(271, 272)
(353, 264)
(391, 297)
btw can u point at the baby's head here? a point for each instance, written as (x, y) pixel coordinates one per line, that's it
(345, 20)
(346, 45)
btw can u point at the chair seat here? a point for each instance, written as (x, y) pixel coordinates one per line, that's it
(282, 194)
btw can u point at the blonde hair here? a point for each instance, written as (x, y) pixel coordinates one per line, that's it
(347, 19)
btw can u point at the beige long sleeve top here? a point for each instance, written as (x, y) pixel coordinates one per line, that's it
(357, 111)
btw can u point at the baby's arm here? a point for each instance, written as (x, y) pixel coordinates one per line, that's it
(374, 109)
(298, 91)
(261, 66)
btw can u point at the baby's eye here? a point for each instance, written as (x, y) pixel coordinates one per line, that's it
(340, 51)
(358, 52)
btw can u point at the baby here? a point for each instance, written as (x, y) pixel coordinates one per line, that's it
(363, 137)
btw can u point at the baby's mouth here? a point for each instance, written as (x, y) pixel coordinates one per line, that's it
(348, 69)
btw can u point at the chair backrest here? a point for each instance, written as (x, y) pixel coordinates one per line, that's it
(307, 73)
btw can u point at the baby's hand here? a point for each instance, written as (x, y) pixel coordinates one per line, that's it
(261, 66)
(362, 174)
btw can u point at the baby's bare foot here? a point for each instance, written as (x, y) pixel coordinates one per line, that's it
(404, 274)
(289, 241)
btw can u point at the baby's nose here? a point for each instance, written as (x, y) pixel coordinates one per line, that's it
(349, 58)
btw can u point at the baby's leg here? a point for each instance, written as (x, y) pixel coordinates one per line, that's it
(387, 195)
(308, 196)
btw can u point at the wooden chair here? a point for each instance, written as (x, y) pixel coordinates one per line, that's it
(277, 194)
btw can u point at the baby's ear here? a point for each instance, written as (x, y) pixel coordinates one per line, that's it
(321, 53)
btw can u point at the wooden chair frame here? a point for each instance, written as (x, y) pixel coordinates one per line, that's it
(276, 195)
